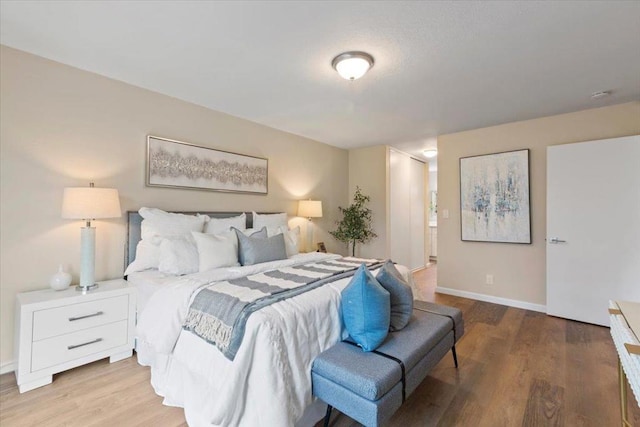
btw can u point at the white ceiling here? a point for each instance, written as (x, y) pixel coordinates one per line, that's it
(441, 67)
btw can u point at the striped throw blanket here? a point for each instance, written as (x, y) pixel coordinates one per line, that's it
(219, 312)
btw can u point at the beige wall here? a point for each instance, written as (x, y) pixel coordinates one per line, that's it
(519, 270)
(369, 169)
(63, 127)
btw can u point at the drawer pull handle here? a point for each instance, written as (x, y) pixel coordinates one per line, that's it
(71, 347)
(73, 319)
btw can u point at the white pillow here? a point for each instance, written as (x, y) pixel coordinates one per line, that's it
(291, 238)
(158, 224)
(220, 225)
(291, 241)
(178, 256)
(269, 220)
(147, 257)
(216, 250)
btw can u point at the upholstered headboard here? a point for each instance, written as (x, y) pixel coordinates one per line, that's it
(134, 220)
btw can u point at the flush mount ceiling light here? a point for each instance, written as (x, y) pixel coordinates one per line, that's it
(431, 153)
(352, 65)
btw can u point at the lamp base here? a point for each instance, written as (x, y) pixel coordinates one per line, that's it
(310, 247)
(87, 257)
(87, 288)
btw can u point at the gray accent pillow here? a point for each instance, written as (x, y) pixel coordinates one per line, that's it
(260, 234)
(401, 295)
(255, 249)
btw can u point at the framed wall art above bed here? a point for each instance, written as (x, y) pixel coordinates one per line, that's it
(177, 164)
(494, 198)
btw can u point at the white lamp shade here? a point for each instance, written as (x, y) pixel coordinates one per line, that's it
(90, 203)
(310, 208)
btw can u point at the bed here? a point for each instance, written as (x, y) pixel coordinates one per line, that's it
(268, 383)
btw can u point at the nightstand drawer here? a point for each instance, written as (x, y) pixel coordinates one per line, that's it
(76, 317)
(64, 348)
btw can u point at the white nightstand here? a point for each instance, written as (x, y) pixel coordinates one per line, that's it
(59, 330)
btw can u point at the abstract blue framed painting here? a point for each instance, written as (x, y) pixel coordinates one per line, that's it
(495, 198)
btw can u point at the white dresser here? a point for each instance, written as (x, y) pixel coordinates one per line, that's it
(59, 330)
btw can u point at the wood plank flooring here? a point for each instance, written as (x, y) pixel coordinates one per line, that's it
(517, 368)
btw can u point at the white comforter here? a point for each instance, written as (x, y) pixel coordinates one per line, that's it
(269, 381)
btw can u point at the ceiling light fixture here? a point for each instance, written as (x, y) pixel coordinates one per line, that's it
(431, 153)
(352, 65)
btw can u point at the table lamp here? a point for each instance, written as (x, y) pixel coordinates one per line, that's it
(310, 209)
(89, 203)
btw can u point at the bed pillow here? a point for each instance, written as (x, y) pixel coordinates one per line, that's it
(401, 295)
(216, 250)
(178, 256)
(291, 238)
(292, 241)
(366, 310)
(158, 224)
(254, 250)
(221, 225)
(254, 232)
(260, 234)
(147, 257)
(269, 220)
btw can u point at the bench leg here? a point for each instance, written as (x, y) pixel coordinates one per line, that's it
(455, 357)
(327, 416)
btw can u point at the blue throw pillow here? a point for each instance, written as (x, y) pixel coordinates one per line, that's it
(366, 310)
(401, 295)
(255, 249)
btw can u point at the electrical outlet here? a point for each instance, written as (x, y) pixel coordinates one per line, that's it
(489, 279)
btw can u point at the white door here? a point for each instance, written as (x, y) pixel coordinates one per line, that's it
(593, 227)
(417, 215)
(406, 210)
(399, 209)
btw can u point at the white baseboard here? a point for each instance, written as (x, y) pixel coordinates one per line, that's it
(7, 367)
(493, 299)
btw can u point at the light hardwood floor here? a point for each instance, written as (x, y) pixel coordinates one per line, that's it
(517, 368)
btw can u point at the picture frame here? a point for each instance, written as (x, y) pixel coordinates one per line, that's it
(321, 247)
(495, 198)
(178, 164)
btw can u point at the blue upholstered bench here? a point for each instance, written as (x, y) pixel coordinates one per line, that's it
(370, 386)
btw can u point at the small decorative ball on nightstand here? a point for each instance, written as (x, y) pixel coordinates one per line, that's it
(61, 280)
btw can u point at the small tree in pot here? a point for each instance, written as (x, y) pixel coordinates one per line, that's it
(355, 225)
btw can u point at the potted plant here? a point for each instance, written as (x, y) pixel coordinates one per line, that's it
(355, 225)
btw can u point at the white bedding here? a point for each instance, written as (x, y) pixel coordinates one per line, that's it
(269, 381)
(147, 283)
